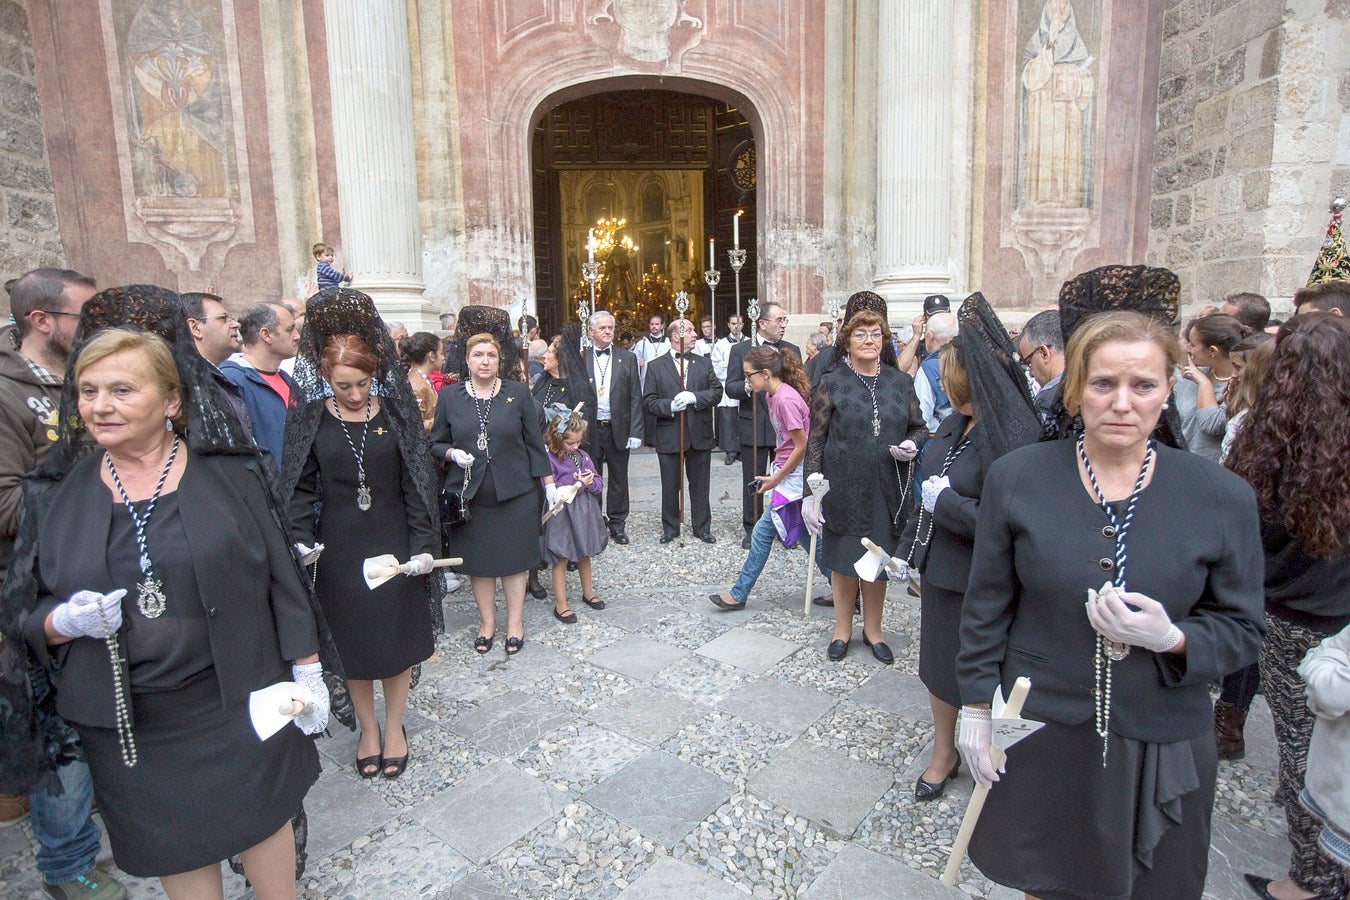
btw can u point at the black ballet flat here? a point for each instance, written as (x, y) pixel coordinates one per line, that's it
(593, 602)
(373, 763)
(924, 791)
(880, 651)
(837, 650)
(397, 763)
(513, 645)
(1261, 886)
(567, 618)
(482, 643)
(724, 605)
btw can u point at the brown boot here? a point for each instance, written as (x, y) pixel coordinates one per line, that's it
(1228, 723)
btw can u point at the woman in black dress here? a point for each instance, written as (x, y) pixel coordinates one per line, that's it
(993, 413)
(1112, 797)
(866, 429)
(359, 490)
(163, 591)
(487, 430)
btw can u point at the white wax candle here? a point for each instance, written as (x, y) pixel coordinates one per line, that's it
(736, 229)
(590, 245)
(712, 256)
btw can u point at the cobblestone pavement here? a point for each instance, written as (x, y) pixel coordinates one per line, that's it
(661, 748)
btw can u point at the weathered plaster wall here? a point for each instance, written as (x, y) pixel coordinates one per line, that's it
(29, 232)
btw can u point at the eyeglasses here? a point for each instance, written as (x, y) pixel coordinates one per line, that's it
(223, 317)
(1026, 360)
(57, 312)
(781, 320)
(751, 373)
(865, 336)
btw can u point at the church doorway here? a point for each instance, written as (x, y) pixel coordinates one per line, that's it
(645, 178)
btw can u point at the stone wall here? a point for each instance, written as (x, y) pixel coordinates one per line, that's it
(28, 227)
(1253, 141)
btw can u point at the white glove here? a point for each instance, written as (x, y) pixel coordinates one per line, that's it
(551, 494)
(899, 572)
(689, 398)
(931, 488)
(89, 614)
(1114, 620)
(812, 515)
(460, 458)
(974, 734)
(634, 443)
(308, 555)
(314, 717)
(420, 564)
(679, 403)
(904, 451)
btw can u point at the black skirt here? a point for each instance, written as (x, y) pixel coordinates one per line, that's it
(204, 788)
(501, 537)
(939, 641)
(1058, 826)
(841, 551)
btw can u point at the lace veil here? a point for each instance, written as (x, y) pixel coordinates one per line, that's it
(998, 387)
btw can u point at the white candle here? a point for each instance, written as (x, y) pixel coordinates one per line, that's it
(590, 245)
(736, 229)
(712, 256)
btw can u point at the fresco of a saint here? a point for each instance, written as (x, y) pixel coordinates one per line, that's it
(1057, 86)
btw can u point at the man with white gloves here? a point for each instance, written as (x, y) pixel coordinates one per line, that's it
(615, 417)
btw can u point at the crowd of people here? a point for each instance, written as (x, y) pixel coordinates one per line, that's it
(192, 503)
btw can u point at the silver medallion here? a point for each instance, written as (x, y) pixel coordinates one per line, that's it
(362, 498)
(482, 441)
(1116, 651)
(876, 427)
(151, 600)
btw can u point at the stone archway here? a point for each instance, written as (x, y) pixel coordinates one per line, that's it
(514, 60)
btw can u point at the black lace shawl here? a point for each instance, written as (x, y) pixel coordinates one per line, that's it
(485, 320)
(999, 391)
(858, 302)
(34, 739)
(338, 311)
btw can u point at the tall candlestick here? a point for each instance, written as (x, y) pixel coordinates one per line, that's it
(736, 229)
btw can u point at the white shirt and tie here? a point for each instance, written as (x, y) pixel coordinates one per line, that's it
(602, 372)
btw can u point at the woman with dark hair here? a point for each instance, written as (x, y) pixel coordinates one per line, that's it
(1292, 449)
(992, 414)
(866, 429)
(487, 429)
(1205, 377)
(357, 478)
(782, 380)
(421, 353)
(1112, 796)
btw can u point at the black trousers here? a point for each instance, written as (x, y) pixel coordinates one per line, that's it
(752, 464)
(726, 429)
(609, 455)
(697, 473)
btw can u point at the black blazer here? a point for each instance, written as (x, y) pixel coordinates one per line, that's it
(1040, 545)
(663, 383)
(625, 395)
(515, 442)
(258, 616)
(945, 561)
(750, 409)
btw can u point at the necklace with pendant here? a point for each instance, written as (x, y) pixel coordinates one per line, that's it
(363, 499)
(872, 389)
(484, 411)
(150, 599)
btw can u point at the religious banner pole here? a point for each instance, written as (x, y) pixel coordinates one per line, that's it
(591, 272)
(737, 258)
(713, 278)
(681, 304)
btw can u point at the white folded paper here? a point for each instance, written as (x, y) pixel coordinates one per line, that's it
(272, 708)
(1008, 731)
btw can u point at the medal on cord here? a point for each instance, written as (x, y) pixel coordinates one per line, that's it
(947, 463)
(483, 411)
(150, 599)
(1108, 651)
(872, 390)
(363, 498)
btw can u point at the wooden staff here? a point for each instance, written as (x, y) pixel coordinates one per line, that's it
(1012, 710)
(681, 304)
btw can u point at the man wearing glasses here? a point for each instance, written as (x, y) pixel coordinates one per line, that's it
(1041, 347)
(216, 334)
(754, 431)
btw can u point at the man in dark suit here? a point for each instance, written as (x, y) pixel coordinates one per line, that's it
(753, 430)
(681, 391)
(1041, 349)
(616, 426)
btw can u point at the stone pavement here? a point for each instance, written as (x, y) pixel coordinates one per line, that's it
(660, 748)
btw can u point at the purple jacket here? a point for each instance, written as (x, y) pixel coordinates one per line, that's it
(565, 473)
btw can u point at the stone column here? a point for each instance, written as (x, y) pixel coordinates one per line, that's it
(370, 74)
(914, 121)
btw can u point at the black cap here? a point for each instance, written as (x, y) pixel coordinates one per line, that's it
(936, 303)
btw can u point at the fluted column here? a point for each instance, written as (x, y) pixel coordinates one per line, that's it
(370, 76)
(914, 127)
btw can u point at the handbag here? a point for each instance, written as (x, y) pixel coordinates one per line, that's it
(454, 508)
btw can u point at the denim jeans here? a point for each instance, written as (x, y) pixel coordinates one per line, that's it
(761, 542)
(66, 835)
(1239, 688)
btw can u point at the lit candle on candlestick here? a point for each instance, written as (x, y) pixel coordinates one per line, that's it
(712, 257)
(736, 229)
(590, 245)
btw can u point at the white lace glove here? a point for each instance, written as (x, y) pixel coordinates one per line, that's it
(308, 555)
(931, 488)
(1109, 612)
(314, 717)
(460, 458)
(420, 564)
(899, 573)
(812, 515)
(89, 614)
(904, 451)
(974, 735)
(551, 494)
(634, 443)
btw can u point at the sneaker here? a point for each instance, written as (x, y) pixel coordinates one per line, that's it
(13, 809)
(451, 582)
(95, 884)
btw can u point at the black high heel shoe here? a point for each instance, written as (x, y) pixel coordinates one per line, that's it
(373, 763)
(923, 791)
(397, 763)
